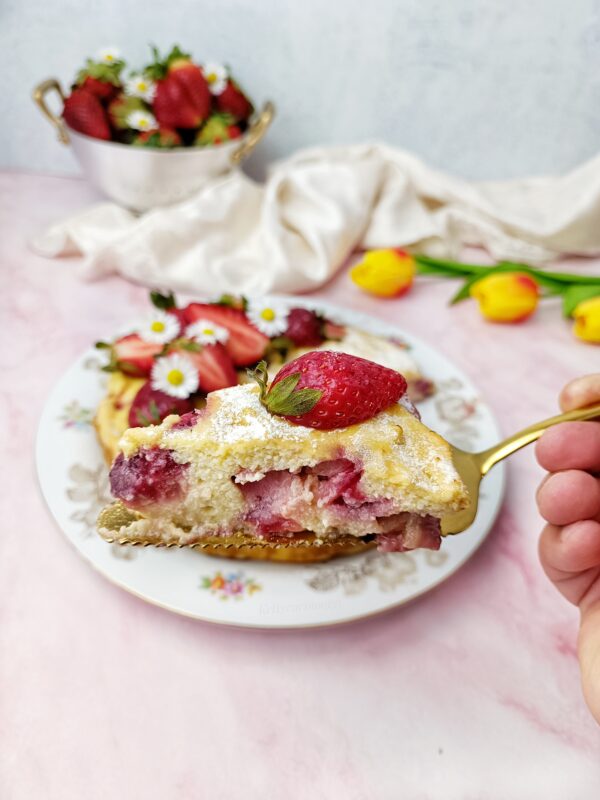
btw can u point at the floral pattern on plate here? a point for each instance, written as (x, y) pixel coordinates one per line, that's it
(76, 416)
(233, 584)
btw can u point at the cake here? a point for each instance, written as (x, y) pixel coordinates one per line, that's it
(238, 336)
(358, 467)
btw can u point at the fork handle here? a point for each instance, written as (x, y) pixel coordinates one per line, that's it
(499, 451)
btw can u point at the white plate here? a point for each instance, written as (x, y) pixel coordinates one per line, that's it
(74, 482)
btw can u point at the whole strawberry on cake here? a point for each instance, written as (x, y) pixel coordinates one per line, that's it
(173, 361)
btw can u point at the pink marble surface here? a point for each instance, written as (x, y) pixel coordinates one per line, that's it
(470, 692)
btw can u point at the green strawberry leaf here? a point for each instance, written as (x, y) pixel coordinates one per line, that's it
(163, 301)
(577, 294)
(232, 301)
(283, 399)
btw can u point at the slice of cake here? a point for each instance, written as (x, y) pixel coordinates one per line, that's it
(327, 452)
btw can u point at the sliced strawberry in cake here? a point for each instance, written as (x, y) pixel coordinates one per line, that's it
(326, 450)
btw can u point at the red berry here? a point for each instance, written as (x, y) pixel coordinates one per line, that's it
(214, 365)
(352, 390)
(233, 101)
(103, 90)
(246, 345)
(150, 406)
(135, 356)
(85, 114)
(304, 328)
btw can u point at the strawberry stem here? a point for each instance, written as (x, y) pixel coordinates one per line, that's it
(283, 399)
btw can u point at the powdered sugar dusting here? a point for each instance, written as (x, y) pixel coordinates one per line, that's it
(240, 416)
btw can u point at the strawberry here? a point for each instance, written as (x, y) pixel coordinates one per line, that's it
(100, 79)
(327, 390)
(304, 328)
(163, 137)
(213, 362)
(150, 406)
(84, 113)
(182, 97)
(121, 107)
(134, 356)
(246, 345)
(215, 367)
(217, 129)
(233, 101)
(103, 90)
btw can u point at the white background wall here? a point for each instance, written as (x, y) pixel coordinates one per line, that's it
(484, 88)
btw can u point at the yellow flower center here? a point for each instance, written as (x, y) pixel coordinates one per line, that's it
(212, 77)
(267, 314)
(208, 331)
(142, 86)
(175, 377)
(157, 326)
(109, 57)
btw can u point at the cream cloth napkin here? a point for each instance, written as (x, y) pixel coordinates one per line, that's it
(292, 233)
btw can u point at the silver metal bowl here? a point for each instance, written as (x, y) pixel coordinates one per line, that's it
(142, 178)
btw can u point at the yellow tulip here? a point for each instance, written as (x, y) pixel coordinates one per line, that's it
(506, 296)
(587, 320)
(386, 273)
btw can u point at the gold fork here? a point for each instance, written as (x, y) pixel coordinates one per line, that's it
(472, 467)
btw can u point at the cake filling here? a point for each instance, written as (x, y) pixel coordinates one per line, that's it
(150, 476)
(283, 503)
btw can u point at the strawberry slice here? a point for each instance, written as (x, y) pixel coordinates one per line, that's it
(134, 356)
(215, 367)
(151, 406)
(246, 345)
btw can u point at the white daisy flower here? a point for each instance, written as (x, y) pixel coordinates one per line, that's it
(159, 327)
(269, 317)
(216, 76)
(141, 121)
(175, 375)
(140, 86)
(109, 55)
(204, 331)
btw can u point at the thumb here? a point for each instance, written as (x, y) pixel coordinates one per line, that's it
(589, 655)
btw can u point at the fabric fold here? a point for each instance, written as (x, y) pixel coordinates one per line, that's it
(291, 233)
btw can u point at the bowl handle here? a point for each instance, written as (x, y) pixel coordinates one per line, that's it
(256, 131)
(39, 98)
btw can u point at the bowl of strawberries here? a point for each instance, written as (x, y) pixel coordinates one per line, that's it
(156, 135)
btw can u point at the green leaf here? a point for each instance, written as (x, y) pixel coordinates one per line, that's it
(102, 345)
(465, 290)
(280, 345)
(577, 294)
(163, 301)
(232, 301)
(154, 412)
(187, 344)
(284, 399)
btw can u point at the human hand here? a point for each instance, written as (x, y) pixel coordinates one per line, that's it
(569, 500)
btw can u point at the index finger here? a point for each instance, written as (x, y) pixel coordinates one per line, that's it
(580, 392)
